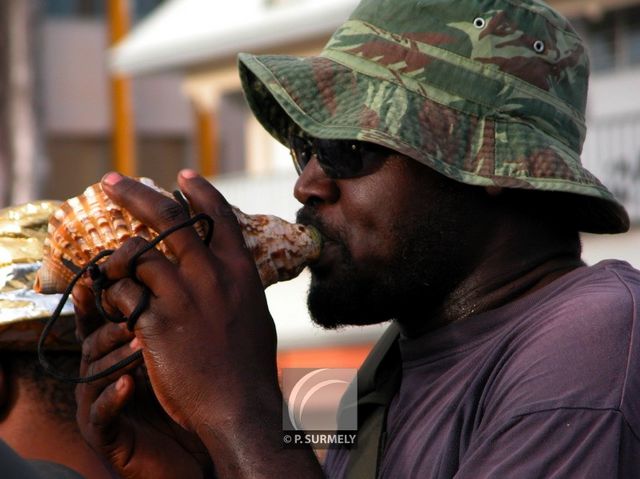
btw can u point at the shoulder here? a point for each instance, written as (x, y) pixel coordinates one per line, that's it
(13, 466)
(591, 292)
(586, 312)
(53, 470)
(576, 346)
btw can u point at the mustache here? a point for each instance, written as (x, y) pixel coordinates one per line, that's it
(310, 217)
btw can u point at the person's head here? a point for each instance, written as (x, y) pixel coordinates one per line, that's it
(36, 410)
(23, 314)
(477, 110)
(23, 379)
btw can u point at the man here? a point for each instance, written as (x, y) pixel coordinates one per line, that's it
(438, 145)
(37, 412)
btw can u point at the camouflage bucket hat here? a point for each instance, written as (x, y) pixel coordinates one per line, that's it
(486, 92)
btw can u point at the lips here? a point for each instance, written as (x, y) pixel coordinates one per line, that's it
(331, 248)
(331, 254)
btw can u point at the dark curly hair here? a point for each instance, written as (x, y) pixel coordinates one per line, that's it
(57, 397)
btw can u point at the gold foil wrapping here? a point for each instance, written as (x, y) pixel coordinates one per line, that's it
(24, 312)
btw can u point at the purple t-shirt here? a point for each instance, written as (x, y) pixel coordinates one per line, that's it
(546, 386)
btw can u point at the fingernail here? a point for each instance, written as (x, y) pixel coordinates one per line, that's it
(112, 178)
(120, 383)
(188, 174)
(135, 344)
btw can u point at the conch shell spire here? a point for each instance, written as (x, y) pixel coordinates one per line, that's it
(90, 223)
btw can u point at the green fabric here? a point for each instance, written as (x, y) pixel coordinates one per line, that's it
(364, 460)
(378, 381)
(456, 85)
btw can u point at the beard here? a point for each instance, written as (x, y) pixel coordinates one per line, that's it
(410, 282)
(351, 296)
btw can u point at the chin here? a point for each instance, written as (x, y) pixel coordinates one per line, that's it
(335, 322)
(338, 304)
(346, 292)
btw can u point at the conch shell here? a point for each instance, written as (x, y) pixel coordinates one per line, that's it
(90, 223)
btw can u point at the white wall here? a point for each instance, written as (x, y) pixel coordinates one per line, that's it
(614, 93)
(76, 86)
(612, 147)
(160, 105)
(75, 78)
(626, 247)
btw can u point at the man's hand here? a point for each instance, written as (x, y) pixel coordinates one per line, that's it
(207, 332)
(120, 417)
(207, 337)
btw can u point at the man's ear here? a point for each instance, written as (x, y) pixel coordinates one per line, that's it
(493, 190)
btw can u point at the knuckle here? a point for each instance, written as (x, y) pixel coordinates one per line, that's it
(222, 209)
(95, 415)
(158, 325)
(80, 413)
(92, 368)
(118, 291)
(113, 335)
(116, 265)
(131, 247)
(162, 323)
(85, 325)
(134, 244)
(170, 212)
(96, 367)
(86, 351)
(83, 421)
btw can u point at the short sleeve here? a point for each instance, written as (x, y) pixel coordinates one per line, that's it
(559, 443)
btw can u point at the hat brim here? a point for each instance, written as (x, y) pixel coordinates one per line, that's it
(332, 101)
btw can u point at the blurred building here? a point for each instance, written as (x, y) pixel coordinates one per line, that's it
(187, 110)
(77, 103)
(611, 29)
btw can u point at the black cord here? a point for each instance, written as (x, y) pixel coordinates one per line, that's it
(101, 282)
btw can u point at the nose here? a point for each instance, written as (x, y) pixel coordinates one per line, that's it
(314, 186)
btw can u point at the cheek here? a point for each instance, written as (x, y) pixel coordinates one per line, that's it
(370, 224)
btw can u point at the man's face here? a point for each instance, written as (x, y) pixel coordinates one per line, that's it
(394, 241)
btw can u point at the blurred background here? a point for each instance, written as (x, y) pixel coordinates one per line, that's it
(148, 87)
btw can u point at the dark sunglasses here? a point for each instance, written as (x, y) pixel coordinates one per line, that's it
(339, 159)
